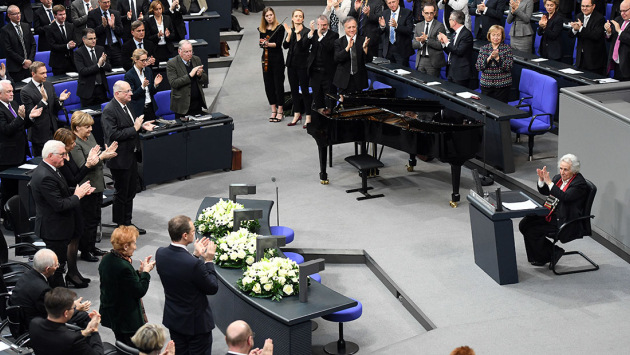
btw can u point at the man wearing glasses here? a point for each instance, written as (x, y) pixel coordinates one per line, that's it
(137, 42)
(55, 204)
(430, 57)
(91, 62)
(618, 34)
(19, 44)
(590, 53)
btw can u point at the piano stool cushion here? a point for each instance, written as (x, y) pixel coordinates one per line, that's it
(316, 277)
(364, 162)
(346, 315)
(285, 231)
(295, 257)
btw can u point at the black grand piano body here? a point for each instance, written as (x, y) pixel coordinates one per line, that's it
(415, 126)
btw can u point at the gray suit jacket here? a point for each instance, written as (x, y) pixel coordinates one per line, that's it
(80, 17)
(436, 54)
(520, 19)
(180, 83)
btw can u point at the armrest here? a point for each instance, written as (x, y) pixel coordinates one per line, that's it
(562, 227)
(26, 245)
(540, 130)
(524, 98)
(529, 107)
(9, 263)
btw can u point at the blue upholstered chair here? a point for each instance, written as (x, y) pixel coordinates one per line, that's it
(163, 100)
(609, 11)
(347, 315)
(537, 43)
(408, 5)
(539, 97)
(3, 61)
(316, 278)
(378, 85)
(285, 231)
(71, 103)
(187, 24)
(294, 256)
(412, 59)
(44, 57)
(507, 27)
(111, 80)
(36, 42)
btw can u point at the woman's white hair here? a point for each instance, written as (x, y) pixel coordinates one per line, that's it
(571, 159)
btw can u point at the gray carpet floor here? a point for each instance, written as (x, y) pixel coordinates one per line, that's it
(412, 233)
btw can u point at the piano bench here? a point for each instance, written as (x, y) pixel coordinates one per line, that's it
(364, 163)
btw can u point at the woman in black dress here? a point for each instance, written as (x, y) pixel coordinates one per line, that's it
(297, 57)
(160, 31)
(272, 62)
(550, 28)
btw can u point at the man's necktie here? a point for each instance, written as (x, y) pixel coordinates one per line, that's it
(140, 45)
(354, 64)
(98, 75)
(392, 30)
(334, 21)
(361, 18)
(132, 6)
(87, 8)
(63, 33)
(21, 36)
(50, 15)
(615, 55)
(128, 114)
(426, 32)
(12, 111)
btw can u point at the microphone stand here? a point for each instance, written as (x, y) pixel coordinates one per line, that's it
(486, 179)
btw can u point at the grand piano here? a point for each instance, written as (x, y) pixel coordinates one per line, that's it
(415, 126)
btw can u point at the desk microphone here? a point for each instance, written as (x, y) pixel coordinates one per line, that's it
(273, 179)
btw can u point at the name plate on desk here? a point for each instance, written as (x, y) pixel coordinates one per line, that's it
(475, 196)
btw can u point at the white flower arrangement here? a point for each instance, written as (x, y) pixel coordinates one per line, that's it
(238, 249)
(276, 278)
(218, 220)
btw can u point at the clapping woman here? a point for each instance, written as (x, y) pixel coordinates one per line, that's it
(495, 64)
(297, 57)
(272, 62)
(550, 28)
(521, 33)
(160, 31)
(337, 11)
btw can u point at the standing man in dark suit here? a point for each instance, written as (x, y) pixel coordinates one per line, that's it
(109, 30)
(137, 42)
(430, 57)
(175, 10)
(51, 336)
(588, 28)
(396, 27)
(19, 44)
(54, 204)
(25, 8)
(618, 34)
(60, 34)
(79, 10)
(488, 13)
(40, 93)
(351, 52)
(321, 62)
(187, 280)
(13, 144)
(367, 14)
(42, 17)
(186, 76)
(459, 48)
(122, 125)
(91, 63)
(130, 11)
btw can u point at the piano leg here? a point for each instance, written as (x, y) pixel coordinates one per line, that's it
(456, 172)
(323, 155)
(412, 162)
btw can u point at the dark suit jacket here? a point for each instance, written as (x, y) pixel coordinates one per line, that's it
(297, 54)
(122, 288)
(551, 41)
(29, 294)
(461, 56)
(13, 46)
(624, 47)
(52, 338)
(25, 9)
(74, 175)
(570, 205)
(151, 33)
(79, 17)
(327, 46)
(118, 126)
(180, 83)
(493, 16)
(370, 27)
(142, 7)
(404, 32)
(591, 40)
(139, 93)
(40, 23)
(13, 144)
(60, 55)
(187, 283)
(436, 54)
(129, 46)
(95, 22)
(44, 126)
(342, 74)
(176, 18)
(88, 70)
(54, 204)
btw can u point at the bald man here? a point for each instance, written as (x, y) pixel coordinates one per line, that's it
(240, 340)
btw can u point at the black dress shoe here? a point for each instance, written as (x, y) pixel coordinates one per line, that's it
(98, 252)
(74, 283)
(140, 230)
(88, 257)
(539, 263)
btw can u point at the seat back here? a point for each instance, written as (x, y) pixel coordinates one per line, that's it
(126, 349)
(408, 5)
(73, 101)
(17, 214)
(609, 11)
(36, 42)
(111, 80)
(187, 24)
(163, 100)
(592, 191)
(543, 90)
(44, 57)
(508, 26)
(4, 249)
(537, 43)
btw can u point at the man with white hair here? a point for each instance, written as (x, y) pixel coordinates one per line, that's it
(33, 285)
(54, 204)
(567, 193)
(186, 77)
(122, 125)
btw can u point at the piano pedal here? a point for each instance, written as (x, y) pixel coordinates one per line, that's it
(324, 182)
(452, 204)
(409, 168)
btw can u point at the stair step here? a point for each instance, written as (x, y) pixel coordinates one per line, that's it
(231, 35)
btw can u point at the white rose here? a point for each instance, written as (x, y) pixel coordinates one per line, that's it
(256, 288)
(202, 228)
(223, 246)
(250, 260)
(241, 254)
(282, 272)
(233, 256)
(268, 287)
(223, 257)
(247, 280)
(295, 280)
(287, 289)
(282, 280)
(291, 273)
(264, 279)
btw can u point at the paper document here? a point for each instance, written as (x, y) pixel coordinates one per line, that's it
(72, 74)
(607, 80)
(467, 95)
(27, 166)
(89, 111)
(400, 72)
(3, 346)
(433, 83)
(200, 118)
(27, 80)
(570, 71)
(539, 60)
(192, 41)
(526, 205)
(118, 70)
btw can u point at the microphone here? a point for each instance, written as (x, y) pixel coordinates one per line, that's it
(273, 179)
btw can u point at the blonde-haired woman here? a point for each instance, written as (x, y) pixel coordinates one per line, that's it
(150, 339)
(272, 62)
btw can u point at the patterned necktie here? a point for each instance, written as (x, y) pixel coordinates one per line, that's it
(392, 30)
(361, 18)
(334, 21)
(19, 31)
